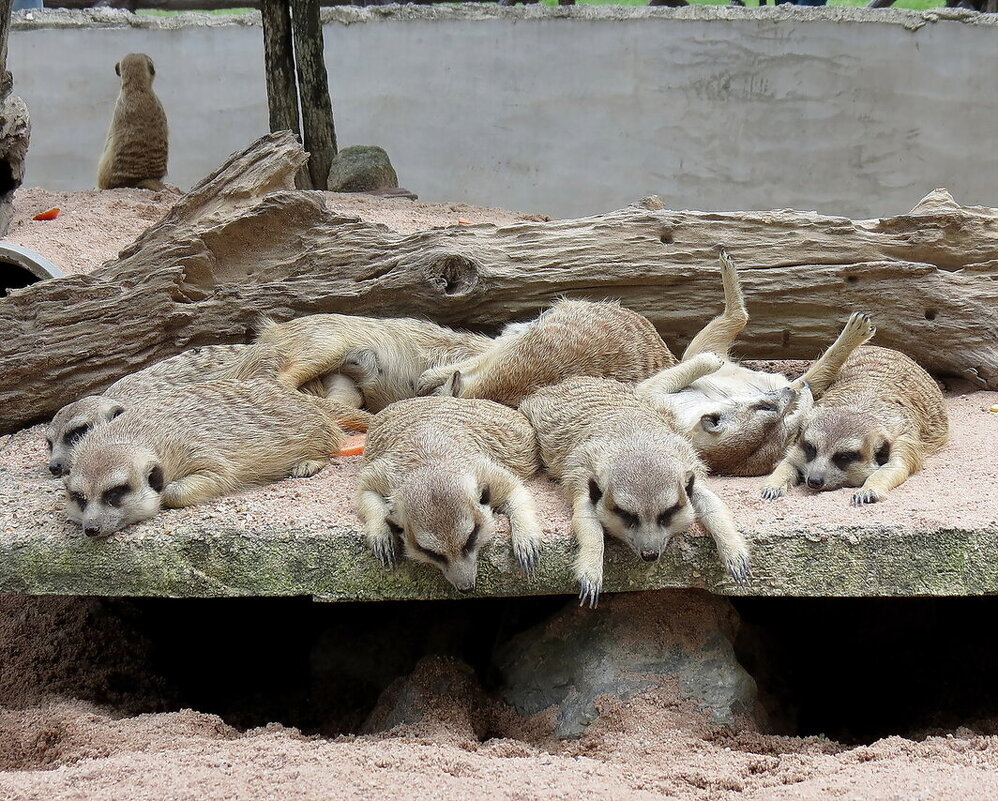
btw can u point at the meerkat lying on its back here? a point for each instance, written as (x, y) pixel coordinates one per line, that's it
(437, 468)
(627, 472)
(383, 357)
(740, 420)
(196, 442)
(572, 338)
(872, 429)
(77, 419)
(135, 151)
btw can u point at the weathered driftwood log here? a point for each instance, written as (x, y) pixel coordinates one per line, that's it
(241, 244)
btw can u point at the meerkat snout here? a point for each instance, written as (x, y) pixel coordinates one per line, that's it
(444, 518)
(642, 499)
(117, 485)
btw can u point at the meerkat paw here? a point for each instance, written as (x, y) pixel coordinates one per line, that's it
(860, 325)
(307, 467)
(772, 493)
(711, 361)
(590, 586)
(526, 551)
(738, 568)
(865, 496)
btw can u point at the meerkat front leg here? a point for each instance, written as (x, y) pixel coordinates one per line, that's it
(307, 468)
(373, 510)
(719, 334)
(716, 519)
(858, 330)
(780, 480)
(589, 562)
(511, 497)
(193, 489)
(680, 376)
(902, 463)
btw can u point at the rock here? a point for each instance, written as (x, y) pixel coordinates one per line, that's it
(361, 168)
(631, 643)
(440, 690)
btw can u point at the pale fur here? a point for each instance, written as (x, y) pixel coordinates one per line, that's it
(383, 357)
(572, 338)
(197, 442)
(872, 429)
(436, 469)
(196, 365)
(741, 420)
(616, 456)
(135, 151)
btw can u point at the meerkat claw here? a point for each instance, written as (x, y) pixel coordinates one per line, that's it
(384, 549)
(589, 592)
(772, 493)
(864, 497)
(739, 569)
(526, 555)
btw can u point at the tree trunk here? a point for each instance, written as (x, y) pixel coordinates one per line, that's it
(313, 87)
(279, 62)
(880, 3)
(15, 129)
(240, 245)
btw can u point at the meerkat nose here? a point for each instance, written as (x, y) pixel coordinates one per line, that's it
(57, 469)
(816, 482)
(92, 531)
(649, 556)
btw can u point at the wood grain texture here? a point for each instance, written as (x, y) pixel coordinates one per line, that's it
(242, 243)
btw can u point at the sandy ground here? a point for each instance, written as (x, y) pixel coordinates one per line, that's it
(53, 746)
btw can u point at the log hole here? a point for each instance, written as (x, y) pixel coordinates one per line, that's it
(852, 669)
(930, 314)
(666, 236)
(852, 279)
(458, 275)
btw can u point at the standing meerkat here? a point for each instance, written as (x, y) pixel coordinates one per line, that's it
(77, 419)
(135, 150)
(873, 428)
(741, 420)
(383, 357)
(628, 473)
(572, 338)
(193, 443)
(437, 468)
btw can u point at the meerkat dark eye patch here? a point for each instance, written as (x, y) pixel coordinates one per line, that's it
(156, 479)
(595, 493)
(486, 495)
(469, 546)
(439, 558)
(883, 454)
(845, 458)
(79, 499)
(115, 495)
(666, 517)
(74, 435)
(765, 406)
(809, 450)
(630, 519)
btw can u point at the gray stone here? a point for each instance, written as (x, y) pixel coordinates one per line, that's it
(631, 643)
(361, 168)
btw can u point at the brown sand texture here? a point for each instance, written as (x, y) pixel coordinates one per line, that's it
(53, 746)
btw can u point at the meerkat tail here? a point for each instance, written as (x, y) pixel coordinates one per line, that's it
(783, 477)
(589, 562)
(680, 376)
(858, 330)
(720, 333)
(906, 458)
(716, 519)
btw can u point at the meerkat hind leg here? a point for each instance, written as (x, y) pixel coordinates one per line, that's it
(307, 468)
(679, 376)
(716, 518)
(720, 333)
(193, 489)
(858, 330)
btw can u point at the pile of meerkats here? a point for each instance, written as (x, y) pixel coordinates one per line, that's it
(455, 422)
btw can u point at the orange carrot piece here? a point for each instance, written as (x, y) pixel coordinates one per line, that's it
(352, 445)
(48, 214)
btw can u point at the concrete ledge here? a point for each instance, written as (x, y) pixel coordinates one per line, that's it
(935, 535)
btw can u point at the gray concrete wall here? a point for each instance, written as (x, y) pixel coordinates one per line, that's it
(567, 111)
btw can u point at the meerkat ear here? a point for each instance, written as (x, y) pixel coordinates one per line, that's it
(486, 495)
(454, 385)
(710, 422)
(152, 67)
(113, 412)
(883, 454)
(155, 478)
(117, 69)
(689, 484)
(595, 493)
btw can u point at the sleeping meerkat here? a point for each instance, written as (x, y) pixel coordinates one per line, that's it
(740, 420)
(436, 470)
(196, 442)
(135, 150)
(572, 338)
(628, 473)
(873, 428)
(77, 419)
(383, 357)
